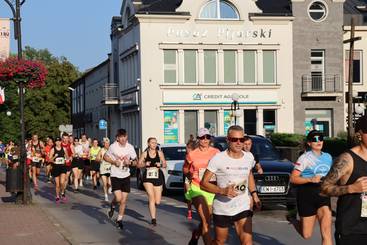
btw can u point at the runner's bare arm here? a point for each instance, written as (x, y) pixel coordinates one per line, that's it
(342, 166)
(110, 160)
(163, 159)
(141, 162)
(209, 187)
(253, 191)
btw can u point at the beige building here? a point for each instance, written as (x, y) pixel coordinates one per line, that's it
(188, 64)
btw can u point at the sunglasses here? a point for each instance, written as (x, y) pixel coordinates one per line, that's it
(207, 136)
(317, 138)
(234, 140)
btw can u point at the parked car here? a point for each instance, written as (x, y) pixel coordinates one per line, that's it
(173, 176)
(273, 185)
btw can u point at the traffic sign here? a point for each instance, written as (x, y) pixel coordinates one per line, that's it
(102, 124)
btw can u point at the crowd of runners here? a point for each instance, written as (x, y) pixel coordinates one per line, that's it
(220, 185)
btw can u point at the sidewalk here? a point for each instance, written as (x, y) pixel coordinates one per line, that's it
(25, 224)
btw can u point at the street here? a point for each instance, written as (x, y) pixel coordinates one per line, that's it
(84, 220)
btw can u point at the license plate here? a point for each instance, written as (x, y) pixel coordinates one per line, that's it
(272, 189)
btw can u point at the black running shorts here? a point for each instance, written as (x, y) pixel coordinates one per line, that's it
(57, 170)
(120, 184)
(225, 221)
(309, 199)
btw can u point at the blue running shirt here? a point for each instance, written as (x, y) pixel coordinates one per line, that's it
(311, 165)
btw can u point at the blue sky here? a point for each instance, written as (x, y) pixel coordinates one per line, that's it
(76, 29)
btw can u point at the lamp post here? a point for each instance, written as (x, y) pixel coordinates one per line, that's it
(15, 8)
(235, 106)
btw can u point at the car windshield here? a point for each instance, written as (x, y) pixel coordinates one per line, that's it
(174, 153)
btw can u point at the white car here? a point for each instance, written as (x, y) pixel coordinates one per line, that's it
(173, 176)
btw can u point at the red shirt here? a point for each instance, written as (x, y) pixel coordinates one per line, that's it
(69, 152)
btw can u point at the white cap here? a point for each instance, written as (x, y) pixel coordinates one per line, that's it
(203, 131)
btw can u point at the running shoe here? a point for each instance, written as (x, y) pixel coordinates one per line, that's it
(94, 187)
(119, 224)
(98, 184)
(154, 222)
(57, 200)
(63, 198)
(106, 198)
(110, 190)
(81, 184)
(112, 209)
(189, 214)
(76, 190)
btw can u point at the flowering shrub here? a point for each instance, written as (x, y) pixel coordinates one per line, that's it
(33, 73)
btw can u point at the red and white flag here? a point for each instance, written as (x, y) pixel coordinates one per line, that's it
(2, 96)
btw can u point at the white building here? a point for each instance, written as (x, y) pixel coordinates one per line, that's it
(180, 62)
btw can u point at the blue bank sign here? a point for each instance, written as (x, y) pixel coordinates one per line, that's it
(102, 124)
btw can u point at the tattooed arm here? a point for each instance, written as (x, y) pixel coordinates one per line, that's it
(338, 175)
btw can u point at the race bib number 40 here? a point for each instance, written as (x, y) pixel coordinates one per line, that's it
(152, 173)
(60, 160)
(241, 187)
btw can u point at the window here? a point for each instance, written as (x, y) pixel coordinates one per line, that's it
(210, 66)
(211, 122)
(171, 132)
(191, 124)
(229, 66)
(190, 66)
(321, 120)
(269, 66)
(219, 9)
(269, 121)
(170, 67)
(357, 66)
(317, 70)
(317, 11)
(249, 69)
(250, 121)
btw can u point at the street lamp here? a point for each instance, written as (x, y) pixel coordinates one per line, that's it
(235, 106)
(15, 8)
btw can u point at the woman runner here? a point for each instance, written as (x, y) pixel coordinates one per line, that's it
(153, 160)
(105, 169)
(94, 170)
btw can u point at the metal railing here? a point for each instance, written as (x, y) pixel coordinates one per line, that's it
(110, 92)
(321, 84)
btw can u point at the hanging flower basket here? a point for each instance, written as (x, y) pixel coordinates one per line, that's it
(32, 73)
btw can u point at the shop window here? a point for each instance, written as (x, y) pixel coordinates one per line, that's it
(357, 66)
(171, 127)
(191, 124)
(249, 63)
(250, 122)
(170, 67)
(211, 121)
(210, 66)
(219, 9)
(190, 66)
(269, 66)
(229, 66)
(317, 11)
(269, 121)
(320, 120)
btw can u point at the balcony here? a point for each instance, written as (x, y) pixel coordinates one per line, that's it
(110, 94)
(321, 86)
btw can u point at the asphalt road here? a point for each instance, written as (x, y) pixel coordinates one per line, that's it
(84, 220)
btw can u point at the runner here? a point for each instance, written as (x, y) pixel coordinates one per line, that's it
(190, 146)
(70, 150)
(121, 155)
(86, 171)
(46, 150)
(153, 160)
(234, 188)
(94, 170)
(247, 146)
(77, 164)
(105, 169)
(58, 156)
(198, 160)
(2, 153)
(309, 169)
(347, 180)
(35, 149)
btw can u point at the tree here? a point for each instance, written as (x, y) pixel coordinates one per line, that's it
(45, 108)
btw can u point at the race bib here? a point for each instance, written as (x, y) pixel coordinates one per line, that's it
(364, 205)
(152, 173)
(35, 159)
(241, 187)
(15, 157)
(60, 160)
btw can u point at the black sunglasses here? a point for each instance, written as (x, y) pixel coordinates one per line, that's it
(207, 136)
(317, 138)
(234, 140)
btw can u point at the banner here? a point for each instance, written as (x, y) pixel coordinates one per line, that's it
(2, 96)
(228, 120)
(4, 39)
(170, 127)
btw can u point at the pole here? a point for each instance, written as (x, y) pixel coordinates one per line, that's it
(350, 85)
(235, 114)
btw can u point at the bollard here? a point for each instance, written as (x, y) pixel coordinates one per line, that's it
(14, 180)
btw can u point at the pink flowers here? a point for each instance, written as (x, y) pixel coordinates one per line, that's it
(33, 73)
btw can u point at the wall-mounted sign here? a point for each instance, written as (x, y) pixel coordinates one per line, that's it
(220, 96)
(170, 127)
(102, 124)
(129, 99)
(4, 38)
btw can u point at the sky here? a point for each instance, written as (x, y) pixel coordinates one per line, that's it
(76, 29)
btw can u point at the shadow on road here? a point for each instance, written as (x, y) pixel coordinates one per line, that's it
(265, 240)
(94, 212)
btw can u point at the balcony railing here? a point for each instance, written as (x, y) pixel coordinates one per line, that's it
(111, 94)
(316, 84)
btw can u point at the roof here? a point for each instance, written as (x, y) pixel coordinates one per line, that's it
(275, 8)
(356, 8)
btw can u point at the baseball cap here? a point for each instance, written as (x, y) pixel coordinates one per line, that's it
(203, 131)
(361, 124)
(313, 133)
(58, 139)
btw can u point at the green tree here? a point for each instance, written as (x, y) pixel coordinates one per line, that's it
(46, 108)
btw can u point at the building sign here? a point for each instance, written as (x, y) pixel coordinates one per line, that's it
(128, 100)
(213, 97)
(225, 33)
(170, 127)
(228, 120)
(4, 38)
(102, 124)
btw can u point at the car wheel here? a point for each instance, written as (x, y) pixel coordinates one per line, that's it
(139, 181)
